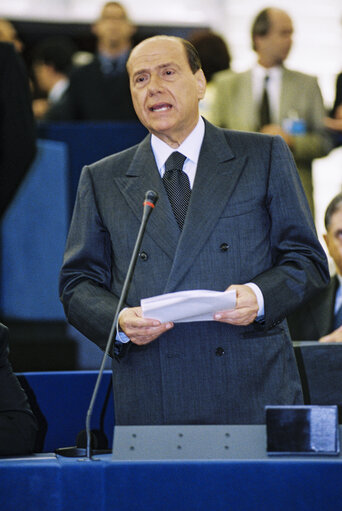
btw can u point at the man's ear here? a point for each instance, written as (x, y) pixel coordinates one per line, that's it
(201, 83)
(93, 29)
(326, 239)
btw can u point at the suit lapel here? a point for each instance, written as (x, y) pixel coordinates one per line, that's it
(248, 106)
(141, 176)
(325, 320)
(286, 95)
(217, 174)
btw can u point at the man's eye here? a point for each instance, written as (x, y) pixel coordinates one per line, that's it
(169, 72)
(140, 79)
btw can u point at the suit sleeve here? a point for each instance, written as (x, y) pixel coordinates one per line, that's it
(338, 94)
(86, 272)
(316, 142)
(299, 265)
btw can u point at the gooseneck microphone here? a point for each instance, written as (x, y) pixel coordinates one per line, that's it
(150, 200)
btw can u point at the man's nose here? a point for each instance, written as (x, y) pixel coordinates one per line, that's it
(155, 85)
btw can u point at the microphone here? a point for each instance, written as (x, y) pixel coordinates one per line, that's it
(150, 200)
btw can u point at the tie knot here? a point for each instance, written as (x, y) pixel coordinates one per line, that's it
(175, 161)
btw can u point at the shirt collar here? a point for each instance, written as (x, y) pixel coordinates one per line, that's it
(190, 147)
(339, 279)
(58, 89)
(106, 61)
(273, 72)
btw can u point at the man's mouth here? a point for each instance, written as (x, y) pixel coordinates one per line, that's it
(160, 107)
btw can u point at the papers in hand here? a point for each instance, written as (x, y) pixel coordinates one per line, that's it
(186, 306)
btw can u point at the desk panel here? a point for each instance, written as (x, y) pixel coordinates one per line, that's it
(236, 484)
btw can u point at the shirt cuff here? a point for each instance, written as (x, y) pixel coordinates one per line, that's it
(120, 336)
(260, 298)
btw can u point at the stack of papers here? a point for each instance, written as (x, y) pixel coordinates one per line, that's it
(186, 306)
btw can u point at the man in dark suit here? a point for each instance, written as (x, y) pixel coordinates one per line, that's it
(99, 91)
(18, 426)
(247, 228)
(321, 317)
(17, 129)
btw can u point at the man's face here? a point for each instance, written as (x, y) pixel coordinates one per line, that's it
(333, 239)
(164, 90)
(113, 27)
(41, 72)
(274, 47)
(9, 34)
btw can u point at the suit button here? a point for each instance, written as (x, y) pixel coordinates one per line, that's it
(143, 256)
(219, 352)
(224, 247)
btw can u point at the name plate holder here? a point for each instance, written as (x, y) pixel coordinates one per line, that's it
(302, 430)
(200, 442)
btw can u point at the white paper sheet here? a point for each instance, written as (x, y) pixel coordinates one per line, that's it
(186, 306)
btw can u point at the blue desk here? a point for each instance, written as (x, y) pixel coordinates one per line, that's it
(243, 483)
(60, 401)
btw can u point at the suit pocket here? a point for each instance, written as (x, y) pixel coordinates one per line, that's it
(262, 334)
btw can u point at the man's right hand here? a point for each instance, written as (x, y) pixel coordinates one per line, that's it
(335, 336)
(141, 330)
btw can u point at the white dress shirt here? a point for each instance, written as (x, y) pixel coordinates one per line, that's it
(190, 148)
(273, 88)
(338, 296)
(58, 90)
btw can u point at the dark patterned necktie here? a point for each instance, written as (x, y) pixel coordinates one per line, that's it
(338, 318)
(265, 115)
(177, 186)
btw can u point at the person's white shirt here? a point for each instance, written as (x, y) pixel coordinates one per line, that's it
(273, 87)
(58, 90)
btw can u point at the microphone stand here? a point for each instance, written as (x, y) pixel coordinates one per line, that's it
(151, 198)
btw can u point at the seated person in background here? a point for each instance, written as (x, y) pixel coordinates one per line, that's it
(321, 317)
(215, 56)
(51, 64)
(99, 91)
(334, 121)
(18, 426)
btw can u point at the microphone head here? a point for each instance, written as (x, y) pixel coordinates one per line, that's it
(151, 198)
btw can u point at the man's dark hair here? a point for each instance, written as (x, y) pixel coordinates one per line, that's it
(213, 51)
(56, 52)
(334, 206)
(192, 56)
(261, 25)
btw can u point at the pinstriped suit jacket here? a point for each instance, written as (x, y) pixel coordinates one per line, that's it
(246, 195)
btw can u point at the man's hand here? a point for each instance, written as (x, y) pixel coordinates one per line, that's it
(246, 308)
(141, 330)
(335, 336)
(275, 129)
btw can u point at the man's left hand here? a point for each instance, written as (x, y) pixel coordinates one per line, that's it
(246, 308)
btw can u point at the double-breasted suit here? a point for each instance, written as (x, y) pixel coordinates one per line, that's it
(247, 221)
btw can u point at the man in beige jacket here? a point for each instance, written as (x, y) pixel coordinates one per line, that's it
(295, 105)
